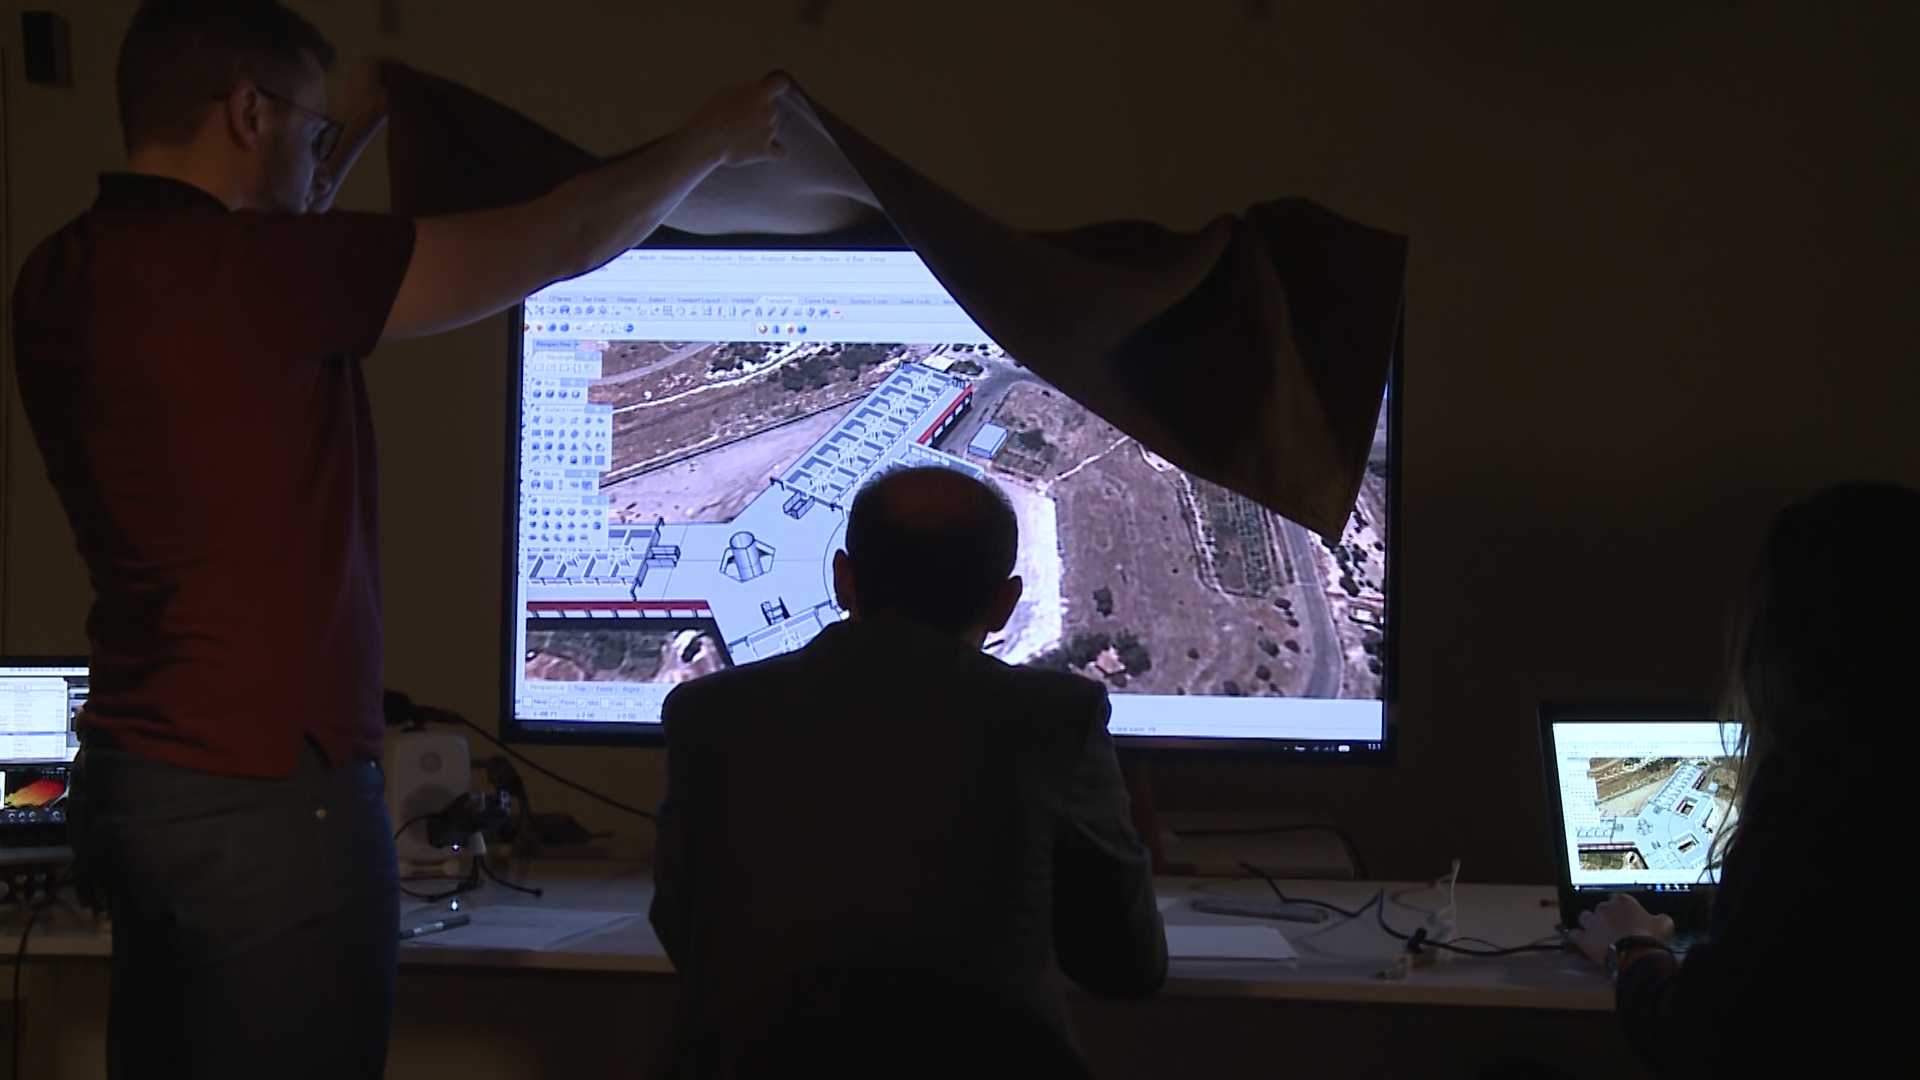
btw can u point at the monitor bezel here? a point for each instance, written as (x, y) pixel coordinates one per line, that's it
(601, 733)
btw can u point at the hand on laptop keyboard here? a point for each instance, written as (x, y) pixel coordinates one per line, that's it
(1615, 918)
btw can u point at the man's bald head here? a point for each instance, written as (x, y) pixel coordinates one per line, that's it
(932, 545)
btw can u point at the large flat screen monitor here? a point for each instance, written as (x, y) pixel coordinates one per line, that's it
(688, 427)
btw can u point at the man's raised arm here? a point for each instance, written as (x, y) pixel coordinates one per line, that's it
(466, 267)
(362, 107)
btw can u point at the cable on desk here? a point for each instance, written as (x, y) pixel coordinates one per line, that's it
(1346, 840)
(481, 862)
(1418, 940)
(462, 886)
(550, 774)
(466, 884)
(19, 963)
(1414, 942)
(1379, 895)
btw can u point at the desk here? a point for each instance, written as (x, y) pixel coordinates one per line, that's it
(1328, 1010)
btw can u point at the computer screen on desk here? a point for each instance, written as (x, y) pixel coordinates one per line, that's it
(689, 426)
(39, 698)
(1642, 801)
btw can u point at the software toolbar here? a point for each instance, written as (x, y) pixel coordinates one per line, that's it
(684, 296)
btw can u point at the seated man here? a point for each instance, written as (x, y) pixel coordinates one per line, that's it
(891, 794)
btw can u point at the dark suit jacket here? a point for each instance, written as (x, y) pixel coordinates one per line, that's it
(888, 792)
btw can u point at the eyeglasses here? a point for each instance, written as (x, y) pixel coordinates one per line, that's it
(324, 140)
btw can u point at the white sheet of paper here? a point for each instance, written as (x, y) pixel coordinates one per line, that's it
(531, 928)
(1228, 943)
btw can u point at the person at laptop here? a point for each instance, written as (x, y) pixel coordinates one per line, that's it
(189, 356)
(890, 791)
(1822, 680)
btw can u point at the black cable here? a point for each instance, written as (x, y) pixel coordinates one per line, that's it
(1538, 946)
(1378, 896)
(1415, 941)
(459, 889)
(411, 822)
(19, 963)
(498, 880)
(550, 774)
(464, 885)
(1346, 841)
(1418, 940)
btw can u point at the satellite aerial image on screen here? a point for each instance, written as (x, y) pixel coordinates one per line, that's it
(734, 462)
(641, 654)
(1652, 813)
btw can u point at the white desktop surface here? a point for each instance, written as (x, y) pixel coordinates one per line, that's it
(1339, 960)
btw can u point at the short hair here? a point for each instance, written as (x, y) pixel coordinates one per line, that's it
(179, 55)
(930, 544)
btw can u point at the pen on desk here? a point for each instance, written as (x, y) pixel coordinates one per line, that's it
(449, 923)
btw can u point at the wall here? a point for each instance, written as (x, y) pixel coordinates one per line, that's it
(1664, 262)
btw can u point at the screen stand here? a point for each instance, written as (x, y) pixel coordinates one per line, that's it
(1146, 813)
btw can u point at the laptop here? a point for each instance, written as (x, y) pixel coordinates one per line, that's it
(39, 698)
(1638, 796)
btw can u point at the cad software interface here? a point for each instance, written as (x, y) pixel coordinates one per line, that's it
(695, 424)
(37, 740)
(1642, 802)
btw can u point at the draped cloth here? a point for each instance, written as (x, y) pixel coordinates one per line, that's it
(1253, 352)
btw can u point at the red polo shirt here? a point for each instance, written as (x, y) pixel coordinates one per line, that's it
(192, 375)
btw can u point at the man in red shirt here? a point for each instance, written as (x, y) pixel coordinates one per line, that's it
(190, 361)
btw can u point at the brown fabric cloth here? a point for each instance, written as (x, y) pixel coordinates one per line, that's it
(1253, 352)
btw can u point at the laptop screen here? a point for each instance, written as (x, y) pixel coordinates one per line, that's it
(1641, 801)
(38, 702)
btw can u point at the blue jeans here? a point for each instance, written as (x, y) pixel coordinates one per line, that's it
(255, 922)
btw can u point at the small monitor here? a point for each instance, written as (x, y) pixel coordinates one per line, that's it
(39, 700)
(1642, 797)
(688, 427)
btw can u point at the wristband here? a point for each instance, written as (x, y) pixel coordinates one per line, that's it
(1630, 943)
